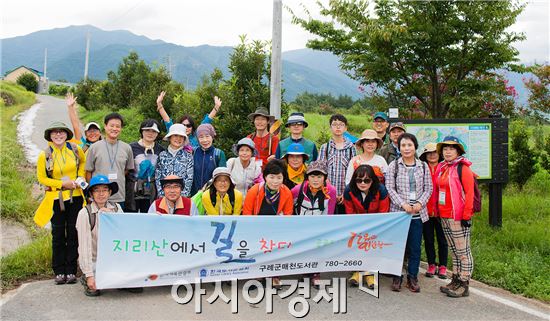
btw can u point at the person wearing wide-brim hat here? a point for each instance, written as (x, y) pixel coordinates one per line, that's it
(368, 144)
(295, 158)
(99, 190)
(296, 124)
(245, 171)
(390, 151)
(455, 191)
(221, 198)
(431, 229)
(176, 160)
(265, 142)
(172, 203)
(60, 168)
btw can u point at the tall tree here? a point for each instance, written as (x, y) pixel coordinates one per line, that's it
(436, 57)
(539, 89)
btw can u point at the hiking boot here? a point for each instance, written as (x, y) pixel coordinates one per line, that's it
(396, 283)
(430, 271)
(354, 279)
(370, 281)
(71, 279)
(412, 284)
(90, 292)
(451, 286)
(442, 272)
(60, 279)
(461, 290)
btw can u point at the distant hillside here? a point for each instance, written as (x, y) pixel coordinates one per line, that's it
(303, 69)
(66, 48)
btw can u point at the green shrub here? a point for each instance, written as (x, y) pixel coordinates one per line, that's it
(28, 81)
(58, 90)
(523, 158)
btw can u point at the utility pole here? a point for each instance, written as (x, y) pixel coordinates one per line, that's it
(87, 55)
(276, 66)
(45, 63)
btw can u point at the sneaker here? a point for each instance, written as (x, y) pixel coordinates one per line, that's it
(60, 279)
(430, 271)
(396, 283)
(451, 286)
(442, 272)
(276, 282)
(461, 290)
(412, 284)
(71, 278)
(354, 279)
(316, 280)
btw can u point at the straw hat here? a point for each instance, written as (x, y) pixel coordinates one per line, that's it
(369, 134)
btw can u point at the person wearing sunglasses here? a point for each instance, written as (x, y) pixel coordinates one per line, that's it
(365, 194)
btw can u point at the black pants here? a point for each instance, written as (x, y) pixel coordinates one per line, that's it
(64, 236)
(142, 205)
(429, 228)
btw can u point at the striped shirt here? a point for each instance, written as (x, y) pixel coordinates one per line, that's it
(338, 161)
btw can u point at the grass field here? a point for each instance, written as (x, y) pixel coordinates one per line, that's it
(16, 178)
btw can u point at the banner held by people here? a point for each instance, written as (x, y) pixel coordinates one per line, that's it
(136, 250)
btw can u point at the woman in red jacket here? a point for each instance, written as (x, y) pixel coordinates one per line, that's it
(365, 194)
(431, 229)
(455, 203)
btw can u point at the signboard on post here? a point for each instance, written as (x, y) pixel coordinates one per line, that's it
(485, 141)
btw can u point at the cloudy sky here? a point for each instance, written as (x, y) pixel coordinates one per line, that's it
(214, 22)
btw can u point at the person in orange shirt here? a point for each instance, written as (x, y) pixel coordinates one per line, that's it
(271, 197)
(265, 142)
(455, 203)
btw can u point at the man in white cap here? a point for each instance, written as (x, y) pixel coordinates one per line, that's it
(296, 124)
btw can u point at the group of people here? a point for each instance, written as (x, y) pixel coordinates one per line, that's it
(378, 172)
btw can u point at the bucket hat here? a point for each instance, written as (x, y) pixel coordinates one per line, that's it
(176, 129)
(57, 125)
(101, 180)
(261, 111)
(369, 134)
(450, 140)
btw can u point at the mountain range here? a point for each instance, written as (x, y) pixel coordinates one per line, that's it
(303, 69)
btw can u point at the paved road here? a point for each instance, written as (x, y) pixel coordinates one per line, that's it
(45, 301)
(52, 109)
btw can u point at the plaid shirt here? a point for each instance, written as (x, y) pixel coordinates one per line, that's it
(338, 161)
(399, 188)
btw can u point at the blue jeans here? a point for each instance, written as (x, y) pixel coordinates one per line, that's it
(414, 241)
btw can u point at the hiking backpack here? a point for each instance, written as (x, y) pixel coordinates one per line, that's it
(477, 192)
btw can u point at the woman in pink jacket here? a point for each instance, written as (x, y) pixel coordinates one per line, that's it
(455, 205)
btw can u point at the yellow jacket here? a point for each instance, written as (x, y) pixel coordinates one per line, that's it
(64, 166)
(226, 207)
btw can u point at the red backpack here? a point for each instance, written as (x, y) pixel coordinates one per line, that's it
(477, 192)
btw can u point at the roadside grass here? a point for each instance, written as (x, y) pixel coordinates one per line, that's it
(16, 182)
(17, 175)
(29, 262)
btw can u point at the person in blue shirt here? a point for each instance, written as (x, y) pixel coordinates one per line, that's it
(187, 120)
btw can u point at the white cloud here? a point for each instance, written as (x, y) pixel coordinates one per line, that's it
(214, 22)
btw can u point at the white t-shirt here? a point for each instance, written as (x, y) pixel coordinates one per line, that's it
(377, 161)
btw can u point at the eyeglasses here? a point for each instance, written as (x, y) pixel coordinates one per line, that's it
(172, 186)
(187, 125)
(363, 180)
(339, 125)
(297, 124)
(58, 132)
